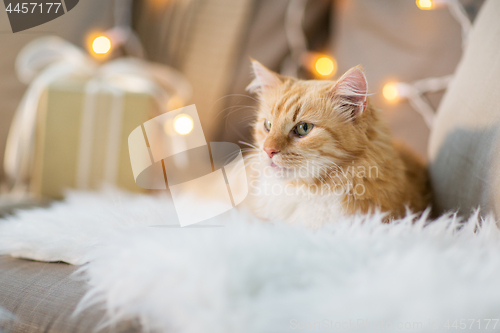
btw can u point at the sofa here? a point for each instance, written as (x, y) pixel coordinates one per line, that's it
(463, 154)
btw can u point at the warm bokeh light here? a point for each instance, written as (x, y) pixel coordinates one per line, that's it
(183, 124)
(425, 4)
(390, 92)
(325, 66)
(101, 45)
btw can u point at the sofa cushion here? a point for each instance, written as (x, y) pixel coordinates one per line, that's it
(464, 146)
(42, 297)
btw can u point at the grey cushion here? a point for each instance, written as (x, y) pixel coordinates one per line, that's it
(42, 298)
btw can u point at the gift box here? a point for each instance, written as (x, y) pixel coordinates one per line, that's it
(81, 136)
(71, 127)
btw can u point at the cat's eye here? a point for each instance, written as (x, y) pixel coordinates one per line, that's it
(302, 129)
(267, 125)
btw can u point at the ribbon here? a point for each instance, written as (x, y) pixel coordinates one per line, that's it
(49, 59)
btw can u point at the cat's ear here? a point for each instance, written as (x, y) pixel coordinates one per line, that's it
(264, 78)
(352, 90)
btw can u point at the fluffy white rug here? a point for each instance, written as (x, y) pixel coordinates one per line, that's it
(250, 276)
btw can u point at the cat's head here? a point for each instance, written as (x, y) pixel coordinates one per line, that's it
(304, 127)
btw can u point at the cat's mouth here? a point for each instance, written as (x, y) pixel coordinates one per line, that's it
(279, 171)
(277, 167)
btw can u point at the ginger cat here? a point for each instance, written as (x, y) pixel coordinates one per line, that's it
(322, 150)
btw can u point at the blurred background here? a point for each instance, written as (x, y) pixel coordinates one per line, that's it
(208, 43)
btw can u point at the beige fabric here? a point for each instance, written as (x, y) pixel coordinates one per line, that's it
(73, 26)
(396, 41)
(214, 54)
(217, 32)
(43, 296)
(464, 147)
(205, 50)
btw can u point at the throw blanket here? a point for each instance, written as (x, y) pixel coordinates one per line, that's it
(245, 275)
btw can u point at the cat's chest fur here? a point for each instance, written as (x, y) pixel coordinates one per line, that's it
(276, 200)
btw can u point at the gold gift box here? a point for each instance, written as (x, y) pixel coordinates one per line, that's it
(75, 150)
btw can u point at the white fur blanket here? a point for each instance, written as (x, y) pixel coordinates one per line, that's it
(250, 276)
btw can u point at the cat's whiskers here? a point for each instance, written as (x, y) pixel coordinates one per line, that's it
(249, 144)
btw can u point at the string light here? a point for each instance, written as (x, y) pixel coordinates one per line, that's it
(390, 92)
(101, 45)
(325, 66)
(433, 4)
(321, 65)
(183, 124)
(413, 92)
(394, 91)
(425, 4)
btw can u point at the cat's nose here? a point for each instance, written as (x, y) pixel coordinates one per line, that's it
(270, 151)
